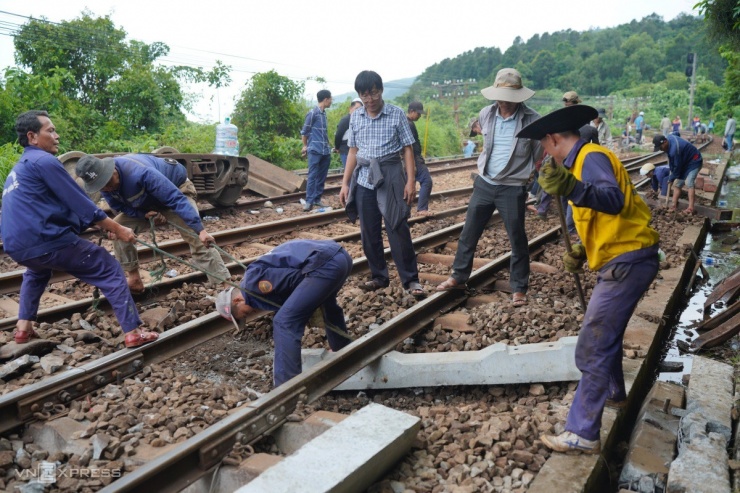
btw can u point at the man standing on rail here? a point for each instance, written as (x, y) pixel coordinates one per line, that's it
(504, 167)
(142, 186)
(43, 212)
(416, 109)
(685, 161)
(295, 280)
(613, 222)
(315, 138)
(376, 187)
(730, 132)
(340, 138)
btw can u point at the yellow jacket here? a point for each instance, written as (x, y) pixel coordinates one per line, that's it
(606, 236)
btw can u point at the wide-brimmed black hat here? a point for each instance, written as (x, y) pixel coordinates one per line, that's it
(570, 118)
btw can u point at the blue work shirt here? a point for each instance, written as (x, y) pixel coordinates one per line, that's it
(43, 208)
(314, 127)
(659, 180)
(276, 274)
(638, 122)
(149, 183)
(683, 157)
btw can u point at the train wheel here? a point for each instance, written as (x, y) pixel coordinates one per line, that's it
(228, 196)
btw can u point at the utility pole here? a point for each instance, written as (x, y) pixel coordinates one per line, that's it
(453, 89)
(691, 72)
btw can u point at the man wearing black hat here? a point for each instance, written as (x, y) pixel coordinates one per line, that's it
(504, 168)
(416, 109)
(618, 242)
(684, 161)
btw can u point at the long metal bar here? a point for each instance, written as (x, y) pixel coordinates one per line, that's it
(569, 248)
(180, 467)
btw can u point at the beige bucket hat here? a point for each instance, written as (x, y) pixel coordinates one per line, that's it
(508, 87)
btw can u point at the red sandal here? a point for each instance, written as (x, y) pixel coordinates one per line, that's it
(23, 336)
(136, 339)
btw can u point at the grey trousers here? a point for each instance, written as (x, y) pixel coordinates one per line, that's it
(207, 259)
(486, 198)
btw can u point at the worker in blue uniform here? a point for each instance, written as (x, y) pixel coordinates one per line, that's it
(293, 280)
(142, 186)
(614, 224)
(658, 177)
(684, 161)
(43, 212)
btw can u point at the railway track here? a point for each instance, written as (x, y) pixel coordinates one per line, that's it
(203, 451)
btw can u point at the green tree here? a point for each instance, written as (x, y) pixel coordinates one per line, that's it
(270, 110)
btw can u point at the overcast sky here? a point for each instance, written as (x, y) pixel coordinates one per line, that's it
(333, 39)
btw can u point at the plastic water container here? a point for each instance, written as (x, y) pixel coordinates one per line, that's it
(227, 142)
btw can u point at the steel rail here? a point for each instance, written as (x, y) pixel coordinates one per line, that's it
(17, 407)
(180, 467)
(10, 282)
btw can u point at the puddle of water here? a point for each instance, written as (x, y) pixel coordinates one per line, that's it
(720, 261)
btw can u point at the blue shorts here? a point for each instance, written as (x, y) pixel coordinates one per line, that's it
(689, 180)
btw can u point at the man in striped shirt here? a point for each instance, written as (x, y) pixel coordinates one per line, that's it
(377, 188)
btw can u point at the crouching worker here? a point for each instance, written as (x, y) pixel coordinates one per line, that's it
(613, 222)
(43, 213)
(142, 186)
(294, 280)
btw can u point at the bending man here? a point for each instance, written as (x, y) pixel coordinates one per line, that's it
(142, 186)
(293, 280)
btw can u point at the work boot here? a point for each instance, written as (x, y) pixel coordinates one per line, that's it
(570, 442)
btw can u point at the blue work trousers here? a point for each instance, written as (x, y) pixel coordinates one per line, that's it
(425, 186)
(510, 202)
(402, 248)
(619, 286)
(318, 168)
(318, 289)
(88, 262)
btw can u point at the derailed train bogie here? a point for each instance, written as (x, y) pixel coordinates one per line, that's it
(218, 179)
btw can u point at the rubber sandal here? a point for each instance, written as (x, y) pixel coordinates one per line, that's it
(372, 285)
(519, 299)
(416, 291)
(450, 283)
(22, 337)
(688, 212)
(136, 340)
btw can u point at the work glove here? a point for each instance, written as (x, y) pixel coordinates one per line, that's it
(573, 261)
(556, 180)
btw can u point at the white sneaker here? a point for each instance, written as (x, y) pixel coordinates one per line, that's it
(570, 442)
(307, 207)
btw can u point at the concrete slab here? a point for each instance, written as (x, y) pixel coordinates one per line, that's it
(653, 443)
(349, 457)
(710, 394)
(59, 435)
(701, 467)
(495, 365)
(292, 436)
